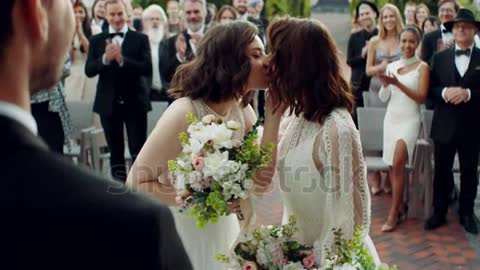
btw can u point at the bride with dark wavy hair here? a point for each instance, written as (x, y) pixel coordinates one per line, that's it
(227, 69)
(321, 170)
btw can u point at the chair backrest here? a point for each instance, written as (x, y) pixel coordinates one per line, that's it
(427, 116)
(81, 114)
(366, 98)
(153, 116)
(370, 125)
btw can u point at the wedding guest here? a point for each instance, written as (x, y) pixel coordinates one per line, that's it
(79, 87)
(71, 218)
(156, 24)
(226, 14)
(218, 81)
(457, 108)
(174, 19)
(51, 113)
(405, 87)
(121, 58)
(421, 14)
(430, 24)
(383, 49)
(441, 38)
(137, 12)
(409, 12)
(99, 24)
(358, 47)
(183, 47)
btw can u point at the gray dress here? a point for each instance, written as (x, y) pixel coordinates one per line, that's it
(376, 83)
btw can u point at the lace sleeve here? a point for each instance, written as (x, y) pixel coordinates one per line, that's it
(344, 173)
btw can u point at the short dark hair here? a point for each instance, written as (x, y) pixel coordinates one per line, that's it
(221, 68)
(442, 2)
(432, 19)
(6, 23)
(302, 76)
(110, 2)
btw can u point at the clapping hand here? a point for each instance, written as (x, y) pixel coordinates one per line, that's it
(113, 51)
(181, 46)
(388, 79)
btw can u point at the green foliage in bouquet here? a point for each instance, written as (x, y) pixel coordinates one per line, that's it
(258, 240)
(351, 252)
(210, 203)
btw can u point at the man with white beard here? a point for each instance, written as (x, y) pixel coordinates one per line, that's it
(155, 22)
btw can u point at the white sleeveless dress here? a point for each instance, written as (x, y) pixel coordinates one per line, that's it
(402, 119)
(202, 244)
(334, 195)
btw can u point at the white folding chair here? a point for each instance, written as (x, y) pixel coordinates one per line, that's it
(81, 115)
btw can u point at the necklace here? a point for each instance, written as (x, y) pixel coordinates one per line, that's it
(208, 110)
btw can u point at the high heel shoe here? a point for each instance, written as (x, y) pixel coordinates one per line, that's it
(401, 217)
(376, 191)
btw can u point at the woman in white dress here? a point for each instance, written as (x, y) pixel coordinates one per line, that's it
(78, 87)
(320, 170)
(405, 87)
(219, 81)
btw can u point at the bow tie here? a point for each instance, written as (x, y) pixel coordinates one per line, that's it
(120, 34)
(465, 52)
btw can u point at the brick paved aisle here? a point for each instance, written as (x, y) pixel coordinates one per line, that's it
(409, 247)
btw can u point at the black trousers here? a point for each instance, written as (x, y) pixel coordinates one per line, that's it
(113, 125)
(468, 151)
(49, 125)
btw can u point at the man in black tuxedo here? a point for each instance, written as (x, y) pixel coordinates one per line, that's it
(122, 60)
(181, 48)
(455, 88)
(54, 214)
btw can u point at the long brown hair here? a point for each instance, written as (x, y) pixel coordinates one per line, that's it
(304, 69)
(221, 67)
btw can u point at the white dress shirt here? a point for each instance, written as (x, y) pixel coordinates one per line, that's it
(461, 63)
(446, 36)
(156, 81)
(18, 114)
(117, 39)
(191, 42)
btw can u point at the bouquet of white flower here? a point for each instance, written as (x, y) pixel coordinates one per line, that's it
(214, 167)
(270, 247)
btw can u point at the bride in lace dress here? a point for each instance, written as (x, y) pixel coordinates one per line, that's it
(321, 171)
(218, 81)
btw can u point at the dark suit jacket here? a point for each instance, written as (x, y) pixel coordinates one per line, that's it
(127, 81)
(430, 45)
(60, 216)
(356, 42)
(168, 57)
(455, 121)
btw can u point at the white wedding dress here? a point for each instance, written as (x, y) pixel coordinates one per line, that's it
(322, 176)
(203, 244)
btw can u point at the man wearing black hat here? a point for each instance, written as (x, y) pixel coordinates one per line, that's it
(455, 89)
(367, 12)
